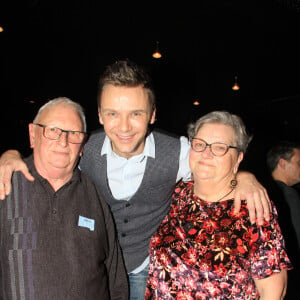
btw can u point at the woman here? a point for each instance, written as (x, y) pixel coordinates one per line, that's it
(202, 250)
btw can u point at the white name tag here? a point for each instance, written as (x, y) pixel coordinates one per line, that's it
(86, 222)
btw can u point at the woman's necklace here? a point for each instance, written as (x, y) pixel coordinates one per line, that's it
(233, 184)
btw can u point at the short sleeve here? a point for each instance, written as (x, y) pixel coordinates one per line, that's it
(267, 252)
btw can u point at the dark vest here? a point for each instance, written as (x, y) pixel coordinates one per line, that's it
(138, 218)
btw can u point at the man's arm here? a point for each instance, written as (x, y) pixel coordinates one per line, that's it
(11, 161)
(255, 194)
(273, 287)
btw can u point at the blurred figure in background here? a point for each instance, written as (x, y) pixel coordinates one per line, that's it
(283, 160)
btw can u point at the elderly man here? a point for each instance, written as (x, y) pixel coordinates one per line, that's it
(58, 238)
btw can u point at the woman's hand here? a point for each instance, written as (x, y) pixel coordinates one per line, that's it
(258, 202)
(10, 162)
(272, 287)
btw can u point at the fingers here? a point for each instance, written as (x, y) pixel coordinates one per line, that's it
(266, 203)
(251, 205)
(2, 191)
(259, 209)
(258, 206)
(5, 183)
(237, 204)
(26, 173)
(11, 161)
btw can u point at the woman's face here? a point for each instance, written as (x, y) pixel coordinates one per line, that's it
(206, 166)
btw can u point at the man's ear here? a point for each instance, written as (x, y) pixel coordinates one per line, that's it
(282, 163)
(153, 116)
(31, 129)
(99, 116)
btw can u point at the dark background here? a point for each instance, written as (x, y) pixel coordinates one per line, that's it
(59, 48)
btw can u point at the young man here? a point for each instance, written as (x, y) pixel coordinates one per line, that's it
(58, 239)
(283, 160)
(135, 168)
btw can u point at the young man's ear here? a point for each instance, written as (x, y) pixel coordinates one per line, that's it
(281, 163)
(153, 116)
(100, 117)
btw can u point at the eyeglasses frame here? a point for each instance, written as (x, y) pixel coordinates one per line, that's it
(209, 145)
(62, 130)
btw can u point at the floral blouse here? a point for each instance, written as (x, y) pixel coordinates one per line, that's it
(203, 251)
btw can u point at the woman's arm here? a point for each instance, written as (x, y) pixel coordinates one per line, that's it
(273, 287)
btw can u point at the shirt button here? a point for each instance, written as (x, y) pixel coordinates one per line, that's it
(54, 211)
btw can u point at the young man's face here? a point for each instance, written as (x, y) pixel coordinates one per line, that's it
(125, 114)
(292, 168)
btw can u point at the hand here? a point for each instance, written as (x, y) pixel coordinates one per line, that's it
(255, 194)
(272, 287)
(11, 161)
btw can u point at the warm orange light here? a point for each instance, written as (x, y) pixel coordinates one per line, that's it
(235, 86)
(1, 29)
(196, 102)
(156, 54)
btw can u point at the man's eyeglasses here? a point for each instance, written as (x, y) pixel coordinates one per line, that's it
(54, 133)
(217, 149)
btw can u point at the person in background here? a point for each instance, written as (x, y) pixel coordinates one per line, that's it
(202, 250)
(57, 234)
(136, 166)
(283, 160)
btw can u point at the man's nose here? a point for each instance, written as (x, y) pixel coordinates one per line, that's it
(125, 123)
(63, 139)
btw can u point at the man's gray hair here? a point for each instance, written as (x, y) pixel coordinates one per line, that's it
(66, 101)
(242, 139)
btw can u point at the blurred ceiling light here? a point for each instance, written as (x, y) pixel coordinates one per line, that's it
(196, 102)
(1, 29)
(156, 53)
(235, 86)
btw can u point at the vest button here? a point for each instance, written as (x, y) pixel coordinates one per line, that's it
(126, 221)
(54, 211)
(123, 234)
(127, 204)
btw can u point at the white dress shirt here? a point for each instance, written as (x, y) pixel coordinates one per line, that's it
(125, 175)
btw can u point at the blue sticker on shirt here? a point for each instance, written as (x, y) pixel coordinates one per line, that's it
(86, 222)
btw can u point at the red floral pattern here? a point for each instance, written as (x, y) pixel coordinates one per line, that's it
(203, 251)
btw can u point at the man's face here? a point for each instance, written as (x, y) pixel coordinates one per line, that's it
(125, 114)
(55, 158)
(292, 168)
